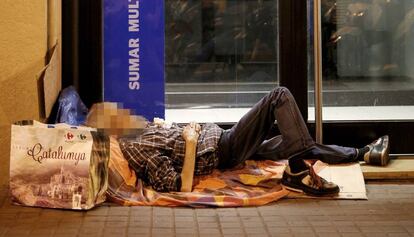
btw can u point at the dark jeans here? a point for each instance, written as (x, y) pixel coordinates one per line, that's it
(246, 139)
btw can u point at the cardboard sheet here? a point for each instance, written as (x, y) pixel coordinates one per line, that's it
(348, 177)
(52, 83)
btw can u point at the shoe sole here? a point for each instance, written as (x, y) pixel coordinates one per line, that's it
(297, 188)
(385, 153)
(292, 189)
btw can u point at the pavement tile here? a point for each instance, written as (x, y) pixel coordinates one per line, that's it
(230, 224)
(347, 229)
(276, 223)
(113, 224)
(248, 212)
(67, 231)
(208, 224)
(207, 230)
(42, 232)
(233, 235)
(258, 224)
(140, 224)
(251, 230)
(183, 212)
(232, 230)
(98, 211)
(296, 218)
(398, 235)
(93, 224)
(185, 224)
(328, 234)
(18, 231)
(372, 234)
(90, 232)
(321, 223)
(226, 212)
(229, 219)
(390, 212)
(325, 229)
(318, 218)
(390, 229)
(162, 231)
(95, 234)
(209, 234)
(119, 211)
(370, 229)
(138, 230)
(273, 218)
(162, 211)
(207, 218)
(407, 223)
(95, 218)
(268, 212)
(114, 231)
(366, 223)
(184, 218)
(281, 234)
(184, 235)
(137, 212)
(257, 235)
(301, 229)
(352, 234)
(298, 223)
(186, 230)
(206, 212)
(310, 234)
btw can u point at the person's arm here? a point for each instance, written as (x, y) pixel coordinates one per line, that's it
(162, 175)
(152, 166)
(190, 134)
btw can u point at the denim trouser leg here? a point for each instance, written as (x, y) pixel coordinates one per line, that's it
(331, 154)
(246, 139)
(243, 140)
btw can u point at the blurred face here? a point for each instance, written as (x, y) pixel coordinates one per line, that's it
(113, 119)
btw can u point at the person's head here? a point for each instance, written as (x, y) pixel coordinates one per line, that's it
(113, 119)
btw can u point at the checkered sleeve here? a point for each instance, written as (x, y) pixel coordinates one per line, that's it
(162, 175)
(152, 167)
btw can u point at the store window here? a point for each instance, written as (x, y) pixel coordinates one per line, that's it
(220, 54)
(368, 58)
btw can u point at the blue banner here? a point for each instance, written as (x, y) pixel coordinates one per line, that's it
(134, 55)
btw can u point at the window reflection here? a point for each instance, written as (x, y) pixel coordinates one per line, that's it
(368, 52)
(220, 53)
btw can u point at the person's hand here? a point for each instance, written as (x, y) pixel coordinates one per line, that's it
(191, 132)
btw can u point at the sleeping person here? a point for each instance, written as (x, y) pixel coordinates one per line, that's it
(167, 156)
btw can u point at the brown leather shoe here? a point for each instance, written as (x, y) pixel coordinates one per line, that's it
(378, 153)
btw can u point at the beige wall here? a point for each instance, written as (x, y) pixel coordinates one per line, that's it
(23, 38)
(23, 48)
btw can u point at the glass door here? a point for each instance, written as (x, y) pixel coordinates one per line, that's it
(368, 73)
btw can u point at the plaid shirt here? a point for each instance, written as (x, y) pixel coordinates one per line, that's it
(157, 154)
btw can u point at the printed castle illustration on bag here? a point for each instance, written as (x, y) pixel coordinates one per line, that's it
(64, 189)
(66, 186)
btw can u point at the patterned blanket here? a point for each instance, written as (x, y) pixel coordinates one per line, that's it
(256, 183)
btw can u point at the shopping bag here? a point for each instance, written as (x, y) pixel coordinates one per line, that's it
(58, 166)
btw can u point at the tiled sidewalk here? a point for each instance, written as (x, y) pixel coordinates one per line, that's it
(388, 212)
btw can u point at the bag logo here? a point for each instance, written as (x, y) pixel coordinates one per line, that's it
(69, 136)
(37, 153)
